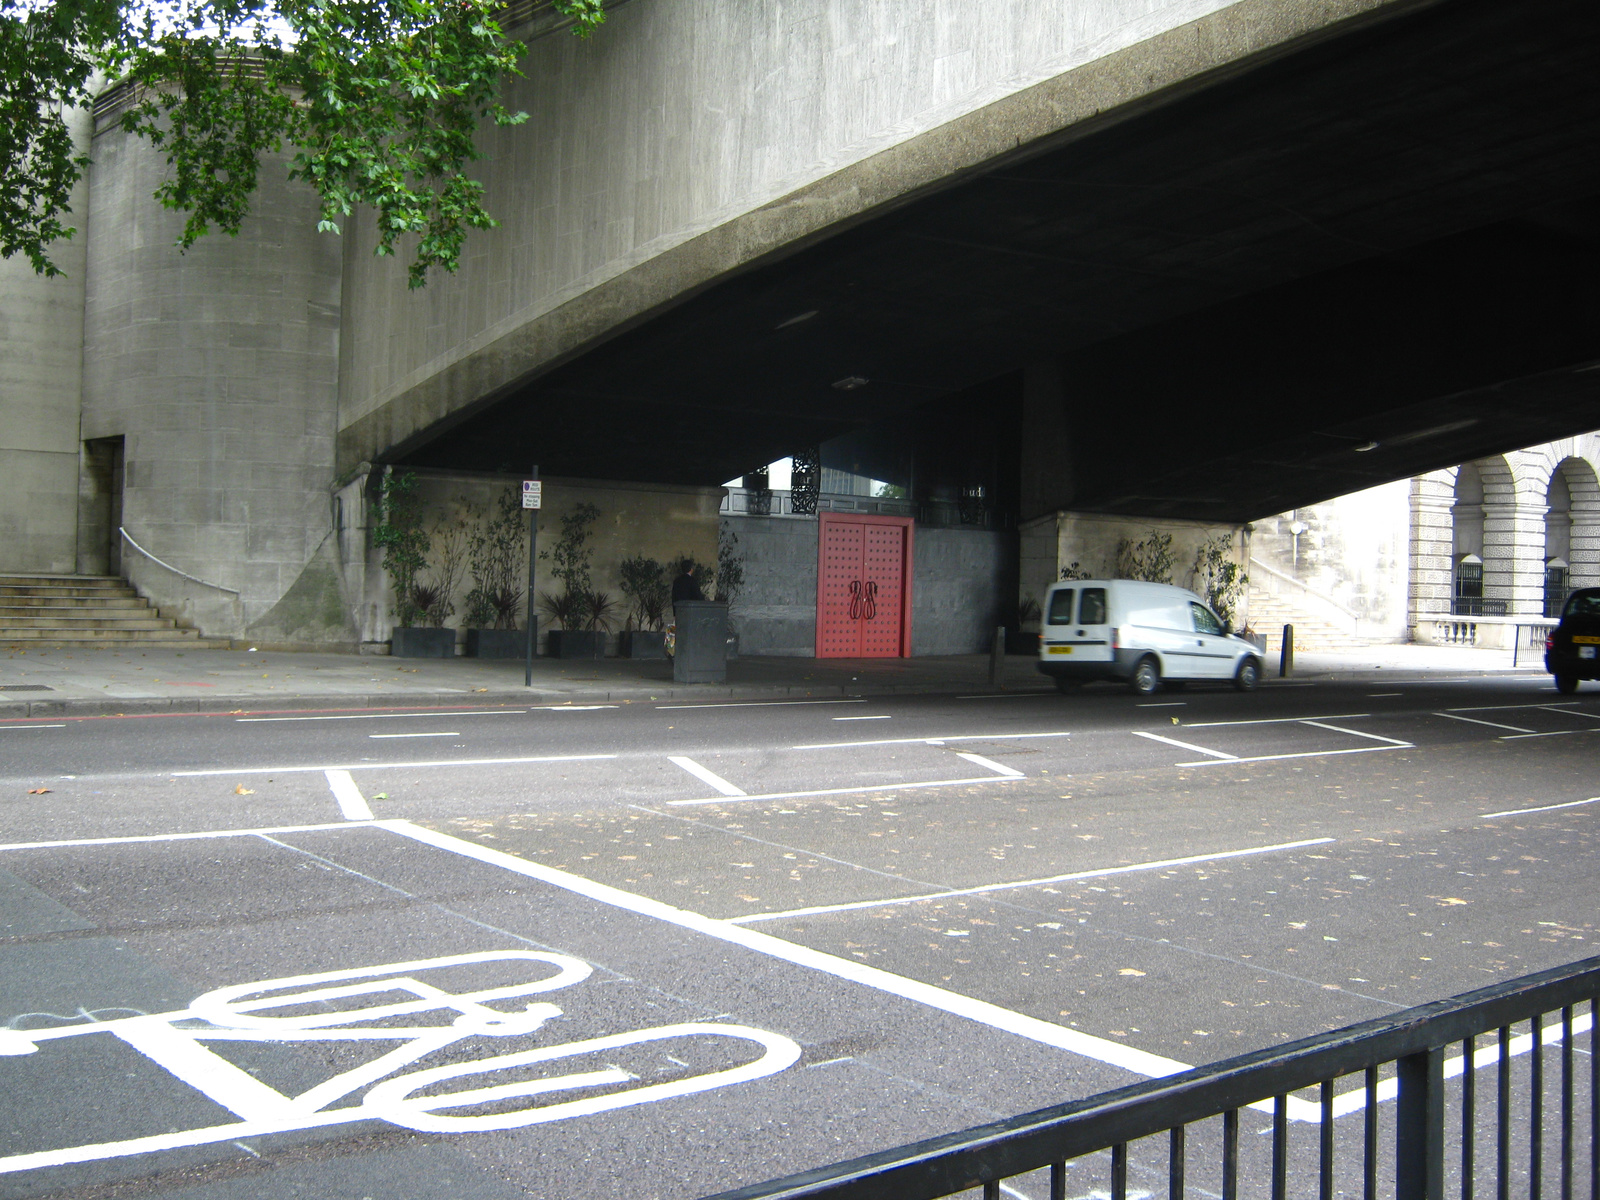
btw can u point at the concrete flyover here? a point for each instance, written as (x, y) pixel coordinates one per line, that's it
(1187, 256)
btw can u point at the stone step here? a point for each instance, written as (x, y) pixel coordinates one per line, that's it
(101, 637)
(66, 591)
(67, 605)
(11, 579)
(145, 620)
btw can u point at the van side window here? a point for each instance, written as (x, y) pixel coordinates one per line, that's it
(1204, 620)
(1092, 608)
(1061, 607)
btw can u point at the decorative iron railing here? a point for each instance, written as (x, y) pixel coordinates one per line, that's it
(1448, 1132)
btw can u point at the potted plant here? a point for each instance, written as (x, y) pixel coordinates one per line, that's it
(397, 528)
(583, 613)
(730, 577)
(644, 584)
(494, 557)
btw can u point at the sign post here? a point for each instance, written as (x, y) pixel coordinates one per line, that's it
(532, 498)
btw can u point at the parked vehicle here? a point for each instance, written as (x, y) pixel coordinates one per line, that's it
(1573, 650)
(1141, 634)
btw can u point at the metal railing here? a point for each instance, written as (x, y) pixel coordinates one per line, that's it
(1448, 1132)
(128, 537)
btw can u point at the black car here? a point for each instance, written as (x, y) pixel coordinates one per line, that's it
(1573, 651)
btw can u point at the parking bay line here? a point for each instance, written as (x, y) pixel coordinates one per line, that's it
(1156, 737)
(388, 766)
(753, 704)
(1099, 873)
(853, 791)
(487, 712)
(1212, 762)
(706, 776)
(4, 727)
(935, 740)
(1476, 721)
(197, 835)
(1273, 720)
(1128, 1058)
(1376, 737)
(1517, 812)
(351, 802)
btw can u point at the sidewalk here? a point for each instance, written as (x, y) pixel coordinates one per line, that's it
(53, 681)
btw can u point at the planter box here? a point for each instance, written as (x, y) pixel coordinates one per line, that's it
(497, 643)
(423, 642)
(1019, 641)
(644, 643)
(577, 643)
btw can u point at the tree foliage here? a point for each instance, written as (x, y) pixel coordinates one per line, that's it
(378, 101)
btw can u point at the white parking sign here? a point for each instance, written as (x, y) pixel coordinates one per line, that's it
(532, 493)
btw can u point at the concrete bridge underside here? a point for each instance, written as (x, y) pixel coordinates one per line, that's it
(1205, 298)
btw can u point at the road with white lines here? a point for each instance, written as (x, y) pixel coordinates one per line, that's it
(667, 949)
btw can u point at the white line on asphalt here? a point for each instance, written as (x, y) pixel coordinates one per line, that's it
(705, 776)
(571, 707)
(854, 791)
(880, 717)
(1517, 812)
(1383, 695)
(385, 766)
(1496, 707)
(1477, 721)
(979, 760)
(935, 740)
(754, 704)
(1031, 695)
(1273, 720)
(351, 802)
(1512, 737)
(1571, 712)
(1376, 737)
(1099, 873)
(1156, 737)
(32, 726)
(1139, 1062)
(487, 712)
(1164, 704)
(175, 837)
(1211, 762)
(449, 733)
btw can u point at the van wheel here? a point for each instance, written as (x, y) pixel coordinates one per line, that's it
(1146, 678)
(1566, 684)
(1067, 686)
(1248, 675)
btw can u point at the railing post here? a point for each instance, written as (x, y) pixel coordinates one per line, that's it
(1419, 1127)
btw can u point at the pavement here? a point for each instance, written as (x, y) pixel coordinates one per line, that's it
(50, 681)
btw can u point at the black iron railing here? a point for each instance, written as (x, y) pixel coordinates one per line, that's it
(1472, 606)
(1523, 1132)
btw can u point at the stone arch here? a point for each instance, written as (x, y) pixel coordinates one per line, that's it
(1572, 527)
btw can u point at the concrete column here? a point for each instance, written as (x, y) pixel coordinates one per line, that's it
(1513, 555)
(1584, 546)
(1430, 574)
(1047, 482)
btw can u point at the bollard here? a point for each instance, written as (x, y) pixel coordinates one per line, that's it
(1286, 653)
(997, 655)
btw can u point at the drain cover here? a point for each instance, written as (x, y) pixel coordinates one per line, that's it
(25, 687)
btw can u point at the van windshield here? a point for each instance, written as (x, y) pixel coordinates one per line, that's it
(1060, 607)
(1092, 608)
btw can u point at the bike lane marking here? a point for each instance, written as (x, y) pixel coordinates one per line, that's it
(705, 775)
(351, 802)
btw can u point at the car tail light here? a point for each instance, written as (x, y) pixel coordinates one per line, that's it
(1116, 638)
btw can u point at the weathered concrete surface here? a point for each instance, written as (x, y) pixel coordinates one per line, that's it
(41, 382)
(694, 139)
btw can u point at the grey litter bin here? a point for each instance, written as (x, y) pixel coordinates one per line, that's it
(701, 655)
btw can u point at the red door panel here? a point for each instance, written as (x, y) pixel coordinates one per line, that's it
(862, 587)
(882, 573)
(838, 629)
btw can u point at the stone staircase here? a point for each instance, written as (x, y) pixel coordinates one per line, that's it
(1269, 614)
(94, 610)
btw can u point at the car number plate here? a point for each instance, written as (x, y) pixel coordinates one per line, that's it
(1585, 639)
(1060, 649)
(1586, 651)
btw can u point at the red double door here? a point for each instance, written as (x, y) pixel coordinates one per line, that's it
(863, 586)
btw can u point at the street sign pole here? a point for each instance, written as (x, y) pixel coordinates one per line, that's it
(531, 498)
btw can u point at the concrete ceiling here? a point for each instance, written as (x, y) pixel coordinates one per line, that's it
(1392, 236)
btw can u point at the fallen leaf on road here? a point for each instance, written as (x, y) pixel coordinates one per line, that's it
(1449, 901)
(38, 791)
(1130, 971)
(239, 789)
(381, 796)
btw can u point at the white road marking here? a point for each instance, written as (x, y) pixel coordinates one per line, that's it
(1211, 762)
(706, 776)
(1571, 712)
(1517, 812)
(1477, 721)
(1383, 695)
(388, 766)
(487, 712)
(883, 717)
(753, 704)
(1273, 720)
(1030, 695)
(174, 837)
(351, 802)
(32, 726)
(1163, 704)
(1099, 873)
(1512, 737)
(1137, 1061)
(1156, 737)
(853, 791)
(1376, 737)
(936, 739)
(1498, 707)
(979, 760)
(450, 733)
(571, 707)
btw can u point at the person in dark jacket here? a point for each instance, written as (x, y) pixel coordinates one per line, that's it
(684, 587)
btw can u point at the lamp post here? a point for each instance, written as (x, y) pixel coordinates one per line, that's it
(1296, 528)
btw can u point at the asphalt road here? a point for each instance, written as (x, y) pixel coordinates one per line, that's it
(776, 934)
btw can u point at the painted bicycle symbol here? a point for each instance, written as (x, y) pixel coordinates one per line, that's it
(406, 1013)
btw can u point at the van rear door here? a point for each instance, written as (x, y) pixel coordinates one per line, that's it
(1076, 625)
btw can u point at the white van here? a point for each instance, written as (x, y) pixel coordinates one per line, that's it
(1140, 633)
